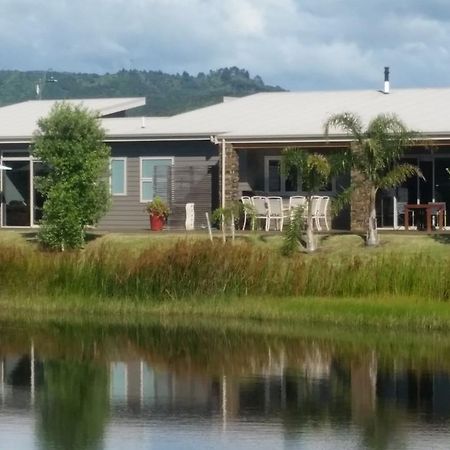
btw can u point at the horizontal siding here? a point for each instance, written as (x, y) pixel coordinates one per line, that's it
(190, 182)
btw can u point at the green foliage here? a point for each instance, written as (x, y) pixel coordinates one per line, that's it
(75, 189)
(192, 270)
(314, 169)
(229, 213)
(376, 151)
(375, 155)
(166, 94)
(158, 207)
(296, 227)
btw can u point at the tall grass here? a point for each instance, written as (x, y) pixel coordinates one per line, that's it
(190, 269)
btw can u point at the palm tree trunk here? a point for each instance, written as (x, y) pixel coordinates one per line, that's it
(372, 231)
(310, 239)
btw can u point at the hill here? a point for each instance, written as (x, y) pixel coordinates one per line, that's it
(166, 94)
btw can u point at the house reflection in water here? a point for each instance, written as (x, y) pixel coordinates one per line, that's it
(314, 391)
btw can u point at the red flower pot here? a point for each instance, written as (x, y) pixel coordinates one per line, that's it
(157, 222)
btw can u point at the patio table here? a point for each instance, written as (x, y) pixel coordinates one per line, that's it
(429, 208)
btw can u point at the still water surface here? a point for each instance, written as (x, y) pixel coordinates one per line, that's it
(199, 387)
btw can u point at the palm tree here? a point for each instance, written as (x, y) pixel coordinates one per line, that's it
(375, 154)
(314, 170)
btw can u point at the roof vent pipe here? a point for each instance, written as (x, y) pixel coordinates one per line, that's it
(143, 122)
(386, 80)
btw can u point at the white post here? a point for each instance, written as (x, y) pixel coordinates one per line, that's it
(209, 227)
(223, 173)
(232, 227)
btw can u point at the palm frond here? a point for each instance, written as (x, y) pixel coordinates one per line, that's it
(347, 122)
(342, 200)
(391, 135)
(293, 161)
(293, 234)
(398, 175)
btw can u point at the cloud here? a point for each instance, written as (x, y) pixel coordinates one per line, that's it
(299, 44)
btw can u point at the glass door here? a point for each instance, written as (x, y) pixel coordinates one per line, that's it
(16, 190)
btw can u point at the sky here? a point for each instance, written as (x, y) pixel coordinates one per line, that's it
(296, 44)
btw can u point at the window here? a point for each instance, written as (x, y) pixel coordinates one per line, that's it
(275, 182)
(154, 178)
(118, 176)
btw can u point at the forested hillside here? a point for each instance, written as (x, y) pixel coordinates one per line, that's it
(166, 94)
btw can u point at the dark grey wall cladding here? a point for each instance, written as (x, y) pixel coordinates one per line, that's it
(193, 178)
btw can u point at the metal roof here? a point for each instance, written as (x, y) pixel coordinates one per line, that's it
(282, 116)
(303, 114)
(19, 121)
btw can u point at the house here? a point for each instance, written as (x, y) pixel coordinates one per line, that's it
(184, 157)
(143, 164)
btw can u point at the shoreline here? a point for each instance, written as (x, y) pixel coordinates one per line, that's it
(374, 313)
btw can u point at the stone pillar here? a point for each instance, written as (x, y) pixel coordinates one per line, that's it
(231, 174)
(359, 210)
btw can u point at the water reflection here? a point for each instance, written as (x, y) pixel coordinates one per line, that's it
(199, 388)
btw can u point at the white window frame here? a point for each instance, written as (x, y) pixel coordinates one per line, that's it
(143, 179)
(125, 178)
(283, 178)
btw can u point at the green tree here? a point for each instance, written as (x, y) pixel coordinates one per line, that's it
(374, 155)
(314, 170)
(75, 190)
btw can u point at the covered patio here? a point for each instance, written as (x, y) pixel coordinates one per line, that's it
(252, 169)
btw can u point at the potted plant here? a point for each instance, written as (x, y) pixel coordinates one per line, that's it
(158, 211)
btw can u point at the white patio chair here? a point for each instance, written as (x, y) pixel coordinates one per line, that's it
(261, 209)
(248, 205)
(315, 207)
(295, 201)
(276, 212)
(322, 213)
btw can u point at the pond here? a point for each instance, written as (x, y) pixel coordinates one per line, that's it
(207, 386)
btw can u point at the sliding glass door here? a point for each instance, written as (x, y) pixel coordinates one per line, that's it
(433, 187)
(21, 202)
(16, 188)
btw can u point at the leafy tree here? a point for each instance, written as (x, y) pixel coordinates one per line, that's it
(76, 193)
(314, 170)
(374, 155)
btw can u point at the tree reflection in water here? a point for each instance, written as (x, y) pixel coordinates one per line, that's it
(73, 405)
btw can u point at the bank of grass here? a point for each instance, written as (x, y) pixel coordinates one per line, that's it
(394, 313)
(405, 282)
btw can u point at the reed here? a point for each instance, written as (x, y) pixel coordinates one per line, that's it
(198, 269)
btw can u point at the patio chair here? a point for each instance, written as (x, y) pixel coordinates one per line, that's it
(401, 213)
(261, 209)
(316, 200)
(276, 212)
(248, 206)
(436, 213)
(295, 201)
(321, 214)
